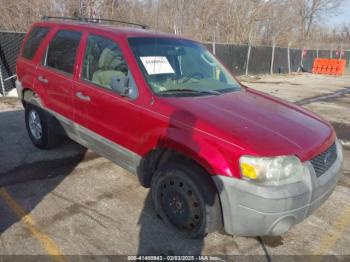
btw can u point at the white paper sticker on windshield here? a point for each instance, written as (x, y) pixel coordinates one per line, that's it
(157, 65)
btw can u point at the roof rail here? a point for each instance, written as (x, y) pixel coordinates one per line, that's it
(93, 20)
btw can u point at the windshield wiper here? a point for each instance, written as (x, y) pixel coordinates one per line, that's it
(186, 90)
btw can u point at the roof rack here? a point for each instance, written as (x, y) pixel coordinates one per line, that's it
(94, 20)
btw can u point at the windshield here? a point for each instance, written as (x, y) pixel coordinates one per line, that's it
(175, 67)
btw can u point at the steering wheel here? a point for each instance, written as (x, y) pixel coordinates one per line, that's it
(196, 75)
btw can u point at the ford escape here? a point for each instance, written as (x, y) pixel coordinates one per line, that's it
(214, 152)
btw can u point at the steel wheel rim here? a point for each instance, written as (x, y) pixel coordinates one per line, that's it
(35, 124)
(180, 204)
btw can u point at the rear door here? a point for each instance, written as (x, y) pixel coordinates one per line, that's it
(55, 73)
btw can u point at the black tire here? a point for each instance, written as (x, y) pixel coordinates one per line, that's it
(48, 138)
(186, 199)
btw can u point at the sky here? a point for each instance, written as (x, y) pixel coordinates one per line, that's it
(343, 16)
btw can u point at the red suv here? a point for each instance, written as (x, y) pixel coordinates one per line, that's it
(213, 152)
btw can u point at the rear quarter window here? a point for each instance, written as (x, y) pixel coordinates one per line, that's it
(36, 36)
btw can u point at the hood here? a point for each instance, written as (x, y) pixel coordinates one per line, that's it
(258, 123)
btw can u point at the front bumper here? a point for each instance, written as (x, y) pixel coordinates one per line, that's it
(253, 210)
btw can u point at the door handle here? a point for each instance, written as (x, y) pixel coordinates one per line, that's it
(43, 79)
(81, 96)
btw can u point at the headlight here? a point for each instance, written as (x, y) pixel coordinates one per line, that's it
(272, 170)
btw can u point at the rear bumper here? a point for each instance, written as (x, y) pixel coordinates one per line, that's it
(252, 210)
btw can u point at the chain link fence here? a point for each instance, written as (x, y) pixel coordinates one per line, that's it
(10, 44)
(242, 59)
(265, 60)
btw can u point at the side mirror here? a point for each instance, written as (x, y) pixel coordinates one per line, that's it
(120, 85)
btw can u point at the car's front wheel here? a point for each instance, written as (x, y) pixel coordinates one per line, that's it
(38, 128)
(186, 199)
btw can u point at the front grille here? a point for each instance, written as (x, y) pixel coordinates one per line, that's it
(323, 161)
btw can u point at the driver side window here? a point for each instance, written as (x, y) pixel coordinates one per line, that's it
(104, 63)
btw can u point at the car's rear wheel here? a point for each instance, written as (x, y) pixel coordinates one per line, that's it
(186, 199)
(38, 128)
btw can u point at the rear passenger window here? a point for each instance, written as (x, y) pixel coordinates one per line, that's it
(62, 51)
(36, 36)
(103, 61)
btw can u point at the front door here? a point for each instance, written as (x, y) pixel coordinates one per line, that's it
(109, 122)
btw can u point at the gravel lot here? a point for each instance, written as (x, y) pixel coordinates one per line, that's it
(71, 201)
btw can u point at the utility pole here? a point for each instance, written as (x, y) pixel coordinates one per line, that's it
(273, 55)
(249, 50)
(341, 51)
(288, 56)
